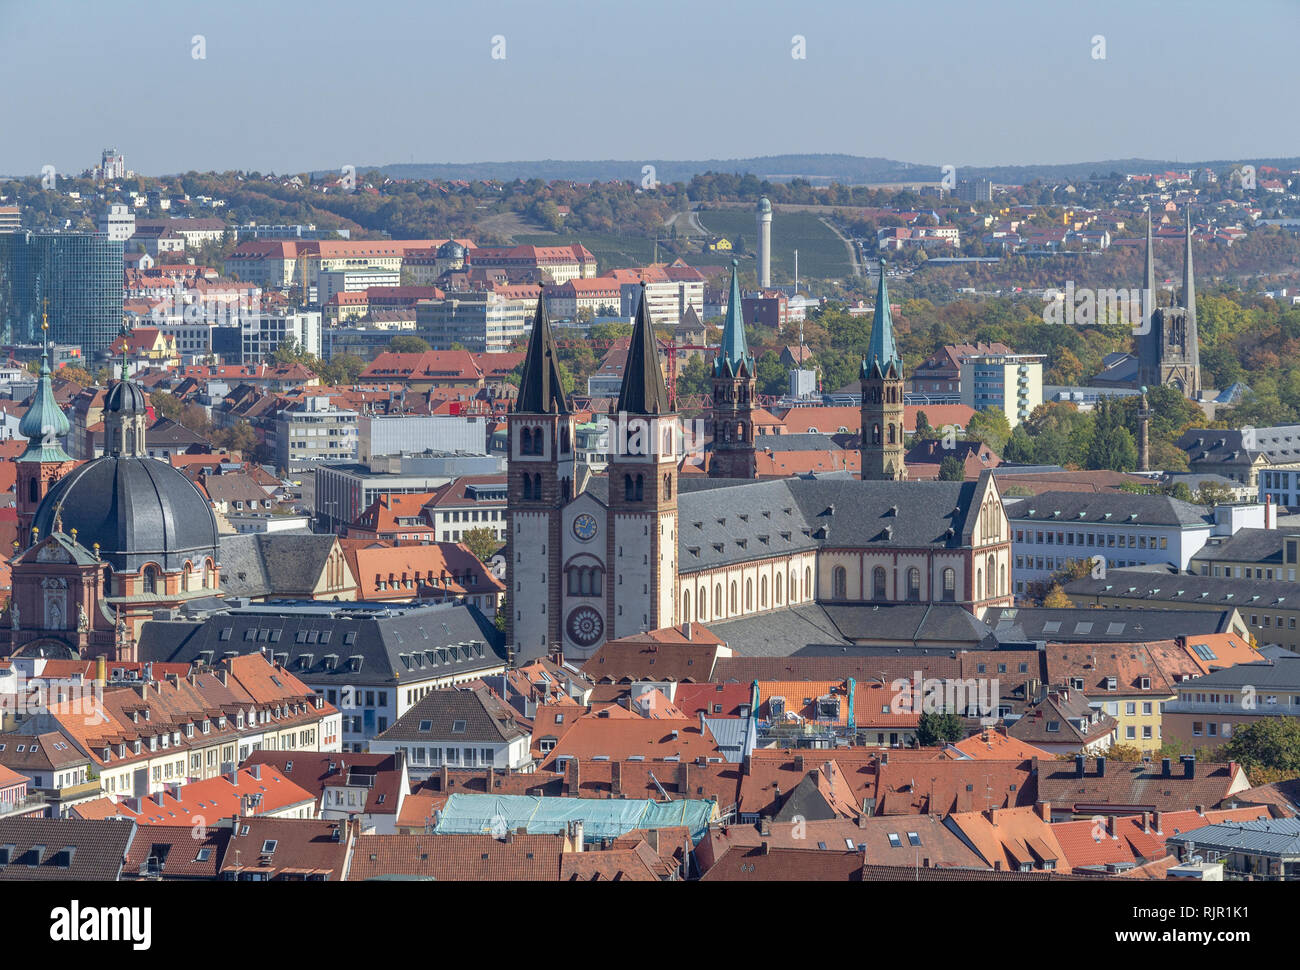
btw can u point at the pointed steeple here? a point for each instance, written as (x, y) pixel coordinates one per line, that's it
(540, 389)
(882, 355)
(643, 390)
(733, 355)
(1149, 274)
(1189, 281)
(44, 423)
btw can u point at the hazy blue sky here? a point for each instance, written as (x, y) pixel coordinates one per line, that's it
(288, 86)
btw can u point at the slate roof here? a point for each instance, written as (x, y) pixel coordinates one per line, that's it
(729, 521)
(762, 864)
(1216, 445)
(1283, 673)
(175, 853)
(264, 564)
(1263, 546)
(1219, 591)
(1107, 508)
(1277, 836)
(99, 848)
(486, 718)
(643, 390)
(1085, 626)
(395, 644)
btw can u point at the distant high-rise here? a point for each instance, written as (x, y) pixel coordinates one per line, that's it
(112, 165)
(81, 276)
(764, 215)
(975, 190)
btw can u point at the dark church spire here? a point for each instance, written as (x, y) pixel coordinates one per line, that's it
(643, 390)
(540, 388)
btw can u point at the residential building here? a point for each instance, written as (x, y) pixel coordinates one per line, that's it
(370, 662)
(1209, 710)
(465, 727)
(1011, 383)
(314, 430)
(491, 321)
(117, 223)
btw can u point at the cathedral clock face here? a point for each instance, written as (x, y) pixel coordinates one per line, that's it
(584, 527)
(585, 626)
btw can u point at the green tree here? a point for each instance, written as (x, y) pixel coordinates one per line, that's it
(406, 343)
(1212, 493)
(1269, 743)
(241, 438)
(343, 369)
(952, 470)
(991, 427)
(939, 728)
(772, 377)
(483, 542)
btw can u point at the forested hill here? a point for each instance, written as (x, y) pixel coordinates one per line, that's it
(845, 169)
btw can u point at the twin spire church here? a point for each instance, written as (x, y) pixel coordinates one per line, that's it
(637, 550)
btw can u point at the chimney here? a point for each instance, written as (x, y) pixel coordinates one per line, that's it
(1078, 766)
(1101, 767)
(1200, 809)
(702, 724)
(1110, 826)
(1232, 769)
(1189, 766)
(101, 670)
(798, 763)
(572, 777)
(615, 778)
(442, 778)
(1164, 768)
(1146, 822)
(1044, 811)
(684, 778)
(577, 830)
(1156, 820)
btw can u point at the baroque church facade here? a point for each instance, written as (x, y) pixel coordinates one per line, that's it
(638, 549)
(103, 543)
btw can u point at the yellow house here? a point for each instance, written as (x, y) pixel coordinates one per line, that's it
(720, 246)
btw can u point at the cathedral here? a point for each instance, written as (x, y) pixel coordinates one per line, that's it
(1168, 350)
(108, 541)
(636, 550)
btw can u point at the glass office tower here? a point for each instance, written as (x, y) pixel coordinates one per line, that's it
(80, 273)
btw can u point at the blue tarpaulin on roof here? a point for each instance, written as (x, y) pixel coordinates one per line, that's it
(601, 818)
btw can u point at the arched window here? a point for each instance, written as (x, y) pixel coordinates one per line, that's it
(780, 578)
(702, 598)
(640, 488)
(33, 490)
(762, 593)
(717, 600)
(732, 599)
(891, 432)
(149, 579)
(668, 442)
(914, 584)
(628, 491)
(839, 583)
(1002, 579)
(749, 595)
(949, 585)
(686, 606)
(528, 487)
(807, 582)
(991, 573)
(208, 584)
(668, 486)
(875, 434)
(526, 441)
(741, 434)
(979, 584)
(188, 577)
(878, 590)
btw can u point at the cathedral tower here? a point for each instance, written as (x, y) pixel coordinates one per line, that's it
(882, 397)
(641, 534)
(1169, 351)
(733, 396)
(539, 474)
